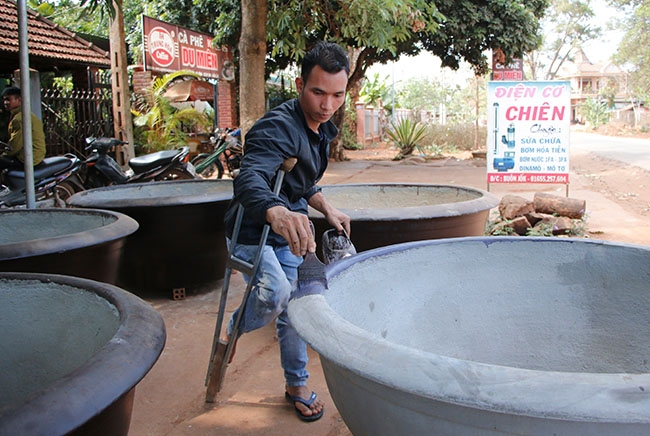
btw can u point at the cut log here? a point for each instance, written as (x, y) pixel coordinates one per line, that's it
(534, 217)
(557, 225)
(512, 206)
(520, 225)
(561, 206)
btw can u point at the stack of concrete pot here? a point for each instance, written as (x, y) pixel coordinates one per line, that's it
(73, 345)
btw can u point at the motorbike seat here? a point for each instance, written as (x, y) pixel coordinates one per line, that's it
(49, 166)
(144, 163)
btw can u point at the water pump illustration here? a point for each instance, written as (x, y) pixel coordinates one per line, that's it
(507, 160)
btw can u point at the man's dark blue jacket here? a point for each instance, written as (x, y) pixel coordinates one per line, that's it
(281, 134)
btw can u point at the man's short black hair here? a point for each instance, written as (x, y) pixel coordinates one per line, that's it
(11, 90)
(329, 56)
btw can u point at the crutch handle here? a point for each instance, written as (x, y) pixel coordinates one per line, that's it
(288, 164)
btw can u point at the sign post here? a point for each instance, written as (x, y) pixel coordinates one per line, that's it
(528, 132)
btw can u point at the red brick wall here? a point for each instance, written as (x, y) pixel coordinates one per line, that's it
(141, 81)
(227, 103)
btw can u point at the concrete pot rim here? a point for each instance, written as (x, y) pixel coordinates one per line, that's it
(99, 197)
(112, 372)
(483, 202)
(122, 227)
(588, 397)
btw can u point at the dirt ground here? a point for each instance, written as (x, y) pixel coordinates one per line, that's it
(170, 399)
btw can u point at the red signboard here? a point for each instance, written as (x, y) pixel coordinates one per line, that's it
(169, 48)
(514, 71)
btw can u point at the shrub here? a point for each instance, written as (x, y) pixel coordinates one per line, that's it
(455, 136)
(407, 135)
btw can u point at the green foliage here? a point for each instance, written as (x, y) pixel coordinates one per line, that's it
(421, 94)
(459, 103)
(540, 229)
(375, 90)
(595, 112)
(160, 125)
(276, 95)
(349, 128)
(634, 49)
(382, 30)
(497, 227)
(407, 136)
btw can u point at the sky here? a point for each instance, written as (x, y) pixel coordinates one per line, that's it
(603, 48)
(427, 65)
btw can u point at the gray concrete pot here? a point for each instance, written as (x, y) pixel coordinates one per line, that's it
(391, 213)
(71, 352)
(181, 240)
(486, 336)
(80, 243)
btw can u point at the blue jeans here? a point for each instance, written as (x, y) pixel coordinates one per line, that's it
(275, 280)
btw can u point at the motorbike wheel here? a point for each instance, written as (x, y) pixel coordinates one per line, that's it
(64, 191)
(175, 174)
(210, 170)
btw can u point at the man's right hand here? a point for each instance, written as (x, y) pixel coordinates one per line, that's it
(294, 227)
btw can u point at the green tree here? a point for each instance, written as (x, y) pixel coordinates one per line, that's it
(422, 94)
(595, 112)
(71, 15)
(372, 30)
(375, 90)
(381, 31)
(568, 26)
(634, 49)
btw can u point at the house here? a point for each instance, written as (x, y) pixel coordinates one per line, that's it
(593, 80)
(50, 46)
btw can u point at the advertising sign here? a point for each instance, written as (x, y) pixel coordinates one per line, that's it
(528, 132)
(169, 48)
(506, 71)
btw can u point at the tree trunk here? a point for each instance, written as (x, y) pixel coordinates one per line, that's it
(357, 72)
(123, 125)
(252, 50)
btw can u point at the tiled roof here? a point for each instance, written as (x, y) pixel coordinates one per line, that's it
(49, 45)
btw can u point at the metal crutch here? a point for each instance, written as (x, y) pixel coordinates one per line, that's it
(221, 351)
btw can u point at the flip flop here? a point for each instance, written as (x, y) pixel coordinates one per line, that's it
(312, 398)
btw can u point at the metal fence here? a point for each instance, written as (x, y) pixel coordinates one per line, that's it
(69, 117)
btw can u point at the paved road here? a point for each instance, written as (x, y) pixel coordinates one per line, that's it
(633, 151)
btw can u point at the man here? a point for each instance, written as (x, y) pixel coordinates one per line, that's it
(298, 128)
(14, 158)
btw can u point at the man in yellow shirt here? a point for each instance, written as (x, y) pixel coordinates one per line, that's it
(15, 157)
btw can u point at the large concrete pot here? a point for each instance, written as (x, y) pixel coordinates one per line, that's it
(181, 241)
(71, 353)
(486, 336)
(387, 214)
(81, 243)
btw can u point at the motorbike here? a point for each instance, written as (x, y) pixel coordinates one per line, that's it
(52, 182)
(226, 149)
(101, 169)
